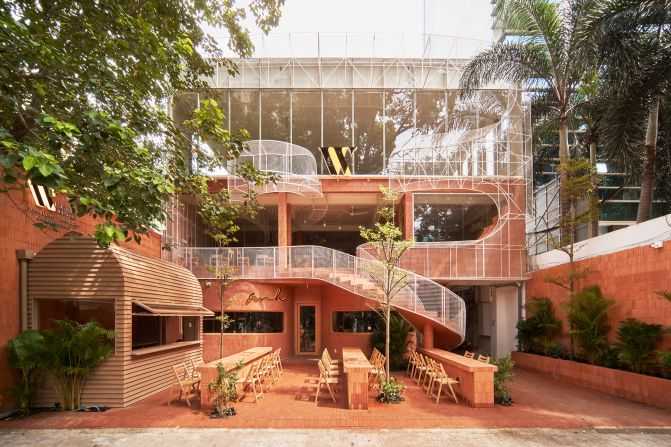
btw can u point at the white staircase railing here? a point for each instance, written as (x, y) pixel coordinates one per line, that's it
(420, 295)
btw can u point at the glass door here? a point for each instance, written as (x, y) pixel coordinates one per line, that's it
(307, 329)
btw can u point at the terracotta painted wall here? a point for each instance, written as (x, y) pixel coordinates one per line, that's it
(629, 277)
(328, 298)
(18, 214)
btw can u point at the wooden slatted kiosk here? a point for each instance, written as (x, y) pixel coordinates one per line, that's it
(73, 271)
(357, 367)
(476, 379)
(208, 371)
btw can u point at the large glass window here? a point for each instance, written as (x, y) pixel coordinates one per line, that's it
(368, 123)
(356, 321)
(245, 112)
(306, 127)
(337, 118)
(81, 311)
(246, 323)
(275, 119)
(453, 217)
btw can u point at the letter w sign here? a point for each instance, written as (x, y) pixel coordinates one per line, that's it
(336, 159)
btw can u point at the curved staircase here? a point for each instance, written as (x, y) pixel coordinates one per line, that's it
(420, 300)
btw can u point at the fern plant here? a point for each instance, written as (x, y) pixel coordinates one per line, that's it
(588, 315)
(538, 332)
(637, 344)
(25, 354)
(399, 329)
(72, 351)
(504, 375)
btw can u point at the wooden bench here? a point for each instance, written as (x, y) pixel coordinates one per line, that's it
(356, 366)
(476, 379)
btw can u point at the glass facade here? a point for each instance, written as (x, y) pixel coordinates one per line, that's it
(377, 121)
(356, 321)
(246, 323)
(453, 217)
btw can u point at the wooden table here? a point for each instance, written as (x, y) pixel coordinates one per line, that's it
(356, 366)
(208, 371)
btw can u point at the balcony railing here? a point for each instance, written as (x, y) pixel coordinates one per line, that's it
(418, 294)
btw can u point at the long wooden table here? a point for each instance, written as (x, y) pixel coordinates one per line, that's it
(356, 366)
(208, 371)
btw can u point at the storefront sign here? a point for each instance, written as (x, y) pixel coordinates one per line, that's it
(336, 159)
(253, 297)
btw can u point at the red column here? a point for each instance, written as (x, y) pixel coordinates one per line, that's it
(283, 221)
(407, 216)
(427, 332)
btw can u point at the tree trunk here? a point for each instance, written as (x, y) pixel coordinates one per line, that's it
(571, 277)
(594, 219)
(221, 322)
(648, 181)
(564, 157)
(386, 342)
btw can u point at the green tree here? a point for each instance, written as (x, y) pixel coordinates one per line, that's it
(25, 354)
(579, 180)
(71, 353)
(588, 316)
(632, 38)
(399, 329)
(388, 245)
(85, 87)
(548, 57)
(537, 333)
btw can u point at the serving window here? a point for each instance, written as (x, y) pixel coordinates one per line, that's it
(356, 321)
(160, 324)
(246, 323)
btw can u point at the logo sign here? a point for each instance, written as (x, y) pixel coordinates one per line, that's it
(48, 213)
(336, 159)
(253, 297)
(42, 196)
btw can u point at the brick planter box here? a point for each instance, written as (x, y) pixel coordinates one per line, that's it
(637, 387)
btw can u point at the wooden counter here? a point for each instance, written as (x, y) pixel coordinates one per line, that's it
(476, 379)
(208, 371)
(356, 366)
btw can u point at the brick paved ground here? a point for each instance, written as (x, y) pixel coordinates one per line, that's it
(539, 403)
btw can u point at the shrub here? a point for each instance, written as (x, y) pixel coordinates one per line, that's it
(72, 351)
(537, 333)
(501, 378)
(637, 344)
(399, 329)
(588, 315)
(224, 390)
(25, 354)
(665, 363)
(390, 391)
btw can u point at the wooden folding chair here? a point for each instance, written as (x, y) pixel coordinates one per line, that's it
(421, 368)
(432, 372)
(278, 360)
(253, 378)
(195, 364)
(484, 358)
(188, 386)
(326, 379)
(411, 362)
(328, 358)
(469, 355)
(444, 379)
(328, 363)
(377, 371)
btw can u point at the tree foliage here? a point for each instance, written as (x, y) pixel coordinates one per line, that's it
(588, 315)
(637, 344)
(86, 86)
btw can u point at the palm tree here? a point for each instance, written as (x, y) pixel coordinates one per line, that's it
(545, 57)
(633, 39)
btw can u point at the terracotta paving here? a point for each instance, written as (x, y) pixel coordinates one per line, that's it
(539, 402)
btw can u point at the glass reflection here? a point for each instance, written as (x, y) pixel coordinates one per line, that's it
(368, 122)
(306, 122)
(275, 119)
(337, 122)
(245, 112)
(453, 217)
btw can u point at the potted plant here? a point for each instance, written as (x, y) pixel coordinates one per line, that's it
(25, 354)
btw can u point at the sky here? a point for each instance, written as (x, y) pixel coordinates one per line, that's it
(468, 19)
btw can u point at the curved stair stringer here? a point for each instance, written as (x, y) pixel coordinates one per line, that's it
(421, 301)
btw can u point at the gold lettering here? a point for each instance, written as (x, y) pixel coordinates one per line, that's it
(254, 298)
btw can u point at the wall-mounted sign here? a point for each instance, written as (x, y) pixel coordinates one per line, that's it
(253, 297)
(48, 213)
(336, 159)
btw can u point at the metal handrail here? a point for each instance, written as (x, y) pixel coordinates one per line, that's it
(419, 295)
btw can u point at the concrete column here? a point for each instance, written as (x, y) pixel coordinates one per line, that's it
(427, 332)
(24, 256)
(283, 221)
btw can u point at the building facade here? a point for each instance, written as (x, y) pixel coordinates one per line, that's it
(459, 166)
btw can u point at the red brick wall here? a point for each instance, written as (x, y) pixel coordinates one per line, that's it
(629, 277)
(17, 232)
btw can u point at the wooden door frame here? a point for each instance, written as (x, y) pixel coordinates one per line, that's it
(297, 321)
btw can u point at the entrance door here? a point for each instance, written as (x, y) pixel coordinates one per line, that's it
(307, 329)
